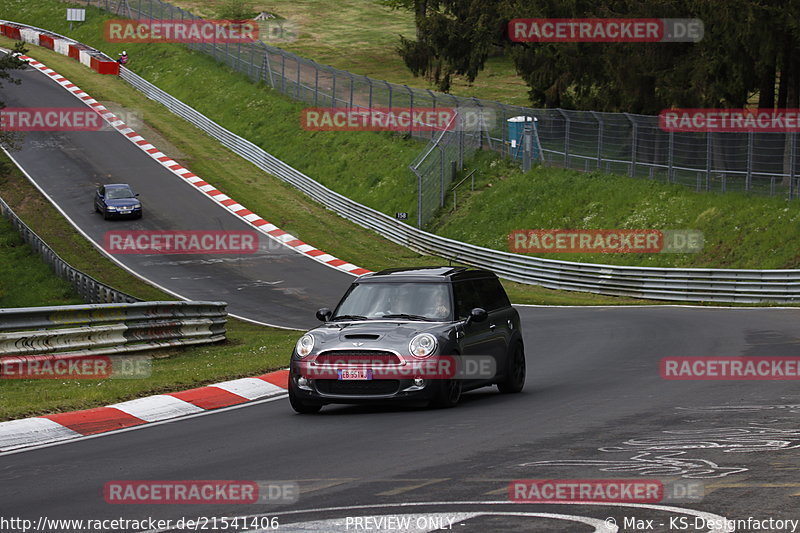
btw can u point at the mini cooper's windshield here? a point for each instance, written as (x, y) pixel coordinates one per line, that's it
(412, 301)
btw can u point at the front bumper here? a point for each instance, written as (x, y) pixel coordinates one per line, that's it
(135, 213)
(360, 391)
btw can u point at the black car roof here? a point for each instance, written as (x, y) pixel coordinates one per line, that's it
(429, 274)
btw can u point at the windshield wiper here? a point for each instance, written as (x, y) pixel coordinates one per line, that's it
(349, 317)
(407, 317)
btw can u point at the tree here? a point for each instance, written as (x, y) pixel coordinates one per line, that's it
(10, 62)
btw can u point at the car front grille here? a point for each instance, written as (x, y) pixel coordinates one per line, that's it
(358, 387)
(358, 357)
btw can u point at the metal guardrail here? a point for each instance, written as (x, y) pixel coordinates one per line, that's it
(694, 284)
(88, 288)
(109, 328)
(673, 284)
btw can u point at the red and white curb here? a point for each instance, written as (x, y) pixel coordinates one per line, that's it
(270, 230)
(36, 431)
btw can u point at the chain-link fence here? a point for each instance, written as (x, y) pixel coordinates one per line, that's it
(620, 143)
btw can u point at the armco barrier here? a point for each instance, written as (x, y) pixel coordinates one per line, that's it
(675, 284)
(108, 328)
(88, 288)
(90, 57)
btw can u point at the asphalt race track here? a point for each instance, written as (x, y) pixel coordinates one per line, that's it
(594, 383)
(275, 285)
(595, 405)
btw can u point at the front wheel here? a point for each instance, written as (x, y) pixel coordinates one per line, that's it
(448, 395)
(514, 380)
(305, 408)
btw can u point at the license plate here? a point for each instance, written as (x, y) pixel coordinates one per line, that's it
(124, 210)
(356, 374)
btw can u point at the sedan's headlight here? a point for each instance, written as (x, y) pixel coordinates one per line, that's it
(304, 345)
(111, 208)
(137, 206)
(423, 345)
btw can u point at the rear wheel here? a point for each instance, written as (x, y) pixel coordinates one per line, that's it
(303, 407)
(514, 380)
(448, 395)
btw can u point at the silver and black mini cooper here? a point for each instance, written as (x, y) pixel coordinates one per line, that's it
(413, 334)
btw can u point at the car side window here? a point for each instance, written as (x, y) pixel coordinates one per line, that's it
(492, 294)
(466, 297)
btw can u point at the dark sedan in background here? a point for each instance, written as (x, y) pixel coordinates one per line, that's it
(416, 334)
(117, 200)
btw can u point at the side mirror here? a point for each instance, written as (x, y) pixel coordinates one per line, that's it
(137, 194)
(478, 314)
(324, 314)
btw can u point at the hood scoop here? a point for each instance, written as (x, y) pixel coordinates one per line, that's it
(362, 336)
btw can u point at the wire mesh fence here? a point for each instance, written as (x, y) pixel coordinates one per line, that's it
(619, 143)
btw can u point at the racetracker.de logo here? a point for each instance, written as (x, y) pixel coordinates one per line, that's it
(180, 242)
(378, 119)
(730, 120)
(609, 30)
(85, 367)
(200, 492)
(730, 368)
(50, 119)
(585, 490)
(605, 241)
(180, 31)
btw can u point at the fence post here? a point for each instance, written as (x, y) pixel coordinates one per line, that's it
(369, 81)
(297, 89)
(411, 105)
(352, 88)
(441, 171)
(566, 137)
(792, 163)
(433, 99)
(316, 84)
(268, 69)
(634, 140)
(708, 161)
(389, 86)
(333, 89)
(599, 120)
(419, 199)
(670, 154)
(748, 183)
(283, 73)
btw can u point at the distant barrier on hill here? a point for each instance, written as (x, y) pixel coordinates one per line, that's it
(620, 143)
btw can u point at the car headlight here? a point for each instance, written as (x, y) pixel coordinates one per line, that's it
(304, 345)
(137, 206)
(423, 345)
(111, 208)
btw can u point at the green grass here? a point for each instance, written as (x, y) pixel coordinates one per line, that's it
(361, 36)
(250, 350)
(25, 280)
(740, 231)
